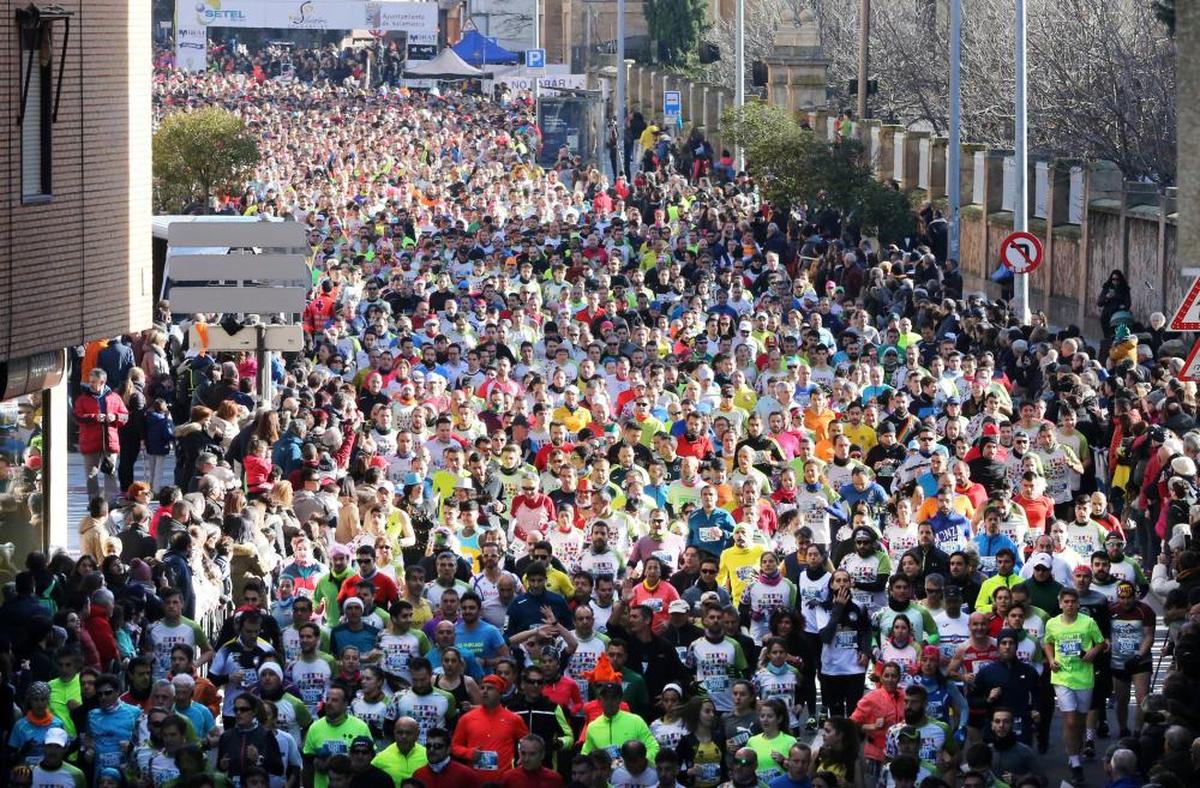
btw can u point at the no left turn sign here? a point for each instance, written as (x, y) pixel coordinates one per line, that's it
(1021, 253)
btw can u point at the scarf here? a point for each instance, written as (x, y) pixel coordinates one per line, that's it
(651, 588)
(814, 572)
(773, 579)
(896, 606)
(778, 671)
(42, 721)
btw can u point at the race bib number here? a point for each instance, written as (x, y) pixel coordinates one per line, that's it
(862, 598)
(715, 684)
(334, 747)
(987, 564)
(846, 638)
(708, 772)
(487, 760)
(1126, 643)
(1071, 647)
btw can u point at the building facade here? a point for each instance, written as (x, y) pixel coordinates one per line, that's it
(75, 207)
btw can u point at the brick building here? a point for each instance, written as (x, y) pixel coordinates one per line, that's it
(75, 189)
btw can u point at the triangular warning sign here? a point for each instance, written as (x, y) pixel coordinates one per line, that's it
(1191, 367)
(1187, 316)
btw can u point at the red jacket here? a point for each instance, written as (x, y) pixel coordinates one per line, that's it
(98, 626)
(258, 473)
(87, 413)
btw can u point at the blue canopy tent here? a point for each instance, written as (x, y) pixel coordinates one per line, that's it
(479, 50)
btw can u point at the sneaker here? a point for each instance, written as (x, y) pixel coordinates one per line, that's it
(1077, 777)
(1102, 729)
(1089, 749)
(811, 724)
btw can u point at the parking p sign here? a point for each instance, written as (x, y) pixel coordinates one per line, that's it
(535, 58)
(672, 104)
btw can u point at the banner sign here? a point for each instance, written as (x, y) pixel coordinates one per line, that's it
(524, 82)
(191, 48)
(194, 17)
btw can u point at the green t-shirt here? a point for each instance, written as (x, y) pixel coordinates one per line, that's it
(1071, 642)
(768, 769)
(61, 693)
(325, 740)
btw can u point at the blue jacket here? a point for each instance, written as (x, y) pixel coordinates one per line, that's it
(178, 563)
(116, 360)
(990, 545)
(286, 453)
(719, 518)
(160, 433)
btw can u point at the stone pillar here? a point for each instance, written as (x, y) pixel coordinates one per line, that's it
(887, 150)
(912, 158)
(796, 66)
(971, 183)
(938, 148)
(872, 141)
(1041, 189)
(899, 159)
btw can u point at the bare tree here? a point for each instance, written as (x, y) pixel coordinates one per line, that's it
(1101, 72)
(762, 19)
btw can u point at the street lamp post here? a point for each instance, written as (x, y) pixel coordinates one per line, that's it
(619, 104)
(740, 79)
(1020, 154)
(954, 163)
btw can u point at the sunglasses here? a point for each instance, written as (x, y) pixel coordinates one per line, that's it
(240, 709)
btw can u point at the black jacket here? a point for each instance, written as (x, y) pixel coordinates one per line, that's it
(656, 660)
(932, 560)
(1019, 686)
(234, 743)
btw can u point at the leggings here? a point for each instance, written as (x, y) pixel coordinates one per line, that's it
(807, 693)
(842, 693)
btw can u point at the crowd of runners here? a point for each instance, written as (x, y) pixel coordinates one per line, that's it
(606, 483)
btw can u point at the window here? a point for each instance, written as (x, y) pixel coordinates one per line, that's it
(36, 137)
(38, 96)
